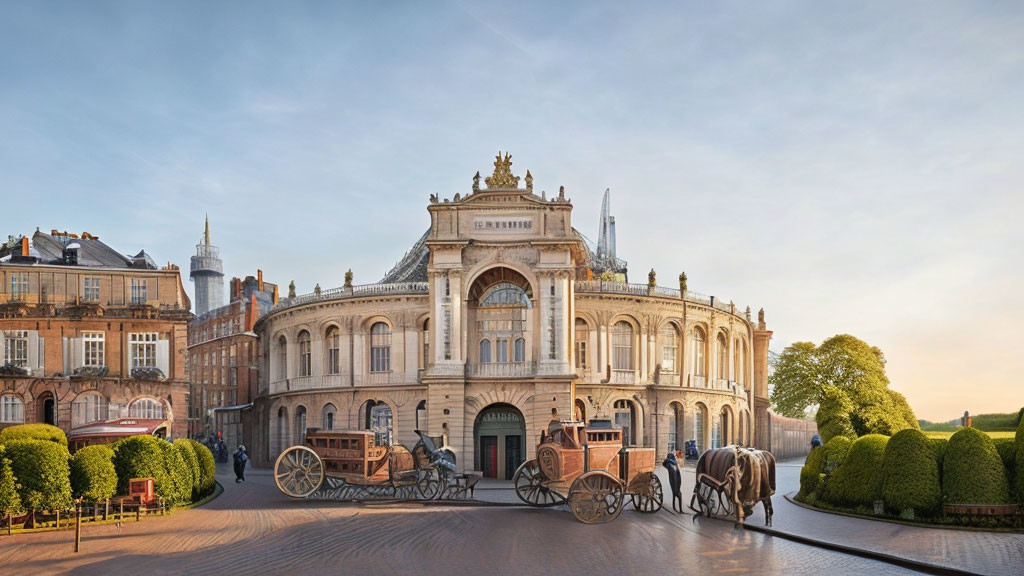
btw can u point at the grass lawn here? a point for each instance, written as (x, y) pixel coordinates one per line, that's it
(993, 435)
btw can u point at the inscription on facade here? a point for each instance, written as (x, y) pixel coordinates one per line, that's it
(503, 224)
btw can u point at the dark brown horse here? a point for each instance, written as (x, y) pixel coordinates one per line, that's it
(732, 480)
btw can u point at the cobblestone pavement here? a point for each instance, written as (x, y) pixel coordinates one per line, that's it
(253, 529)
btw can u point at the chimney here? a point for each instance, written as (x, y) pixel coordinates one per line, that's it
(275, 295)
(253, 313)
(259, 278)
(24, 246)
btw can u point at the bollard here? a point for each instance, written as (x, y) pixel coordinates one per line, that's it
(58, 519)
(120, 515)
(78, 526)
(138, 512)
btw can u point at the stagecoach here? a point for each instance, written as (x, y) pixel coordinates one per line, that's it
(588, 467)
(350, 465)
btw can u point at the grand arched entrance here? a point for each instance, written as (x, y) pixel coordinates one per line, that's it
(499, 438)
(46, 408)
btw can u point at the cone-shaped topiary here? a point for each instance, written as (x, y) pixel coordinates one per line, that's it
(910, 474)
(972, 472)
(92, 473)
(856, 482)
(36, 431)
(207, 468)
(191, 462)
(178, 472)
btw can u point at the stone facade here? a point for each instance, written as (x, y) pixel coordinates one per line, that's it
(88, 334)
(506, 327)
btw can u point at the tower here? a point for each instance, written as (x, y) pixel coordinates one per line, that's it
(606, 230)
(207, 272)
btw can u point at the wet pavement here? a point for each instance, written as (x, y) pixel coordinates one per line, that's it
(254, 529)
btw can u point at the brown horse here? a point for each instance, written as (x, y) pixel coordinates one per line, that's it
(732, 480)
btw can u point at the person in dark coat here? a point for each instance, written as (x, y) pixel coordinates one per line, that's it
(241, 458)
(675, 481)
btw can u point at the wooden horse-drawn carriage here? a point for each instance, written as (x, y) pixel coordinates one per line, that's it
(588, 467)
(732, 480)
(348, 465)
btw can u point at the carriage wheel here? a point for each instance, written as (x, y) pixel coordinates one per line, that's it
(646, 493)
(298, 472)
(428, 483)
(595, 497)
(530, 488)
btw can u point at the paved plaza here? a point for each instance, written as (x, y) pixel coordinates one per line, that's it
(253, 529)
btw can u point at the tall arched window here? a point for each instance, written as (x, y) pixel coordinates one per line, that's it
(282, 358)
(520, 350)
(485, 351)
(699, 353)
(88, 407)
(625, 418)
(669, 347)
(582, 330)
(305, 354)
(723, 357)
(622, 346)
(282, 429)
(380, 347)
(12, 410)
(426, 344)
(333, 350)
(328, 415)
(300, 425)
(676, 428)
(421, 415)
(740, 357)
(146, 408)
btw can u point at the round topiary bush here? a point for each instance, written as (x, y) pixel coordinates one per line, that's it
(856, 481)
(34, 431)
(142, 457)
(836, 451)
(811, 472)
(207, 468)
(92, 473)
(10, 501)
(972, 472)
(191, 462)
(1006, 447)
(41, 468)
(179, 474)
(910, 474)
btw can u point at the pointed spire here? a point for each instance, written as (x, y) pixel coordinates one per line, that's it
(206, 236)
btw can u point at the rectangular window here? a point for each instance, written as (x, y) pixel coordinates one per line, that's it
(143, 349)
(138, 291)
(19, 284)
(91, 292)
(11, 410)
(581, 354)
(501, 350)
(93, 342)
(668, 360)
(16, 349)
(380, 360)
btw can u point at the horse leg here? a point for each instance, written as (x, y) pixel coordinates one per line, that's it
(768, 511)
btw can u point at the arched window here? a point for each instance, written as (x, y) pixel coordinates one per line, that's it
(625, 418)
(378, 421)
(520, 351)
(740, 359)
(12, 410)
(380, 347)
(333, 350)
(300, 425)
(282, 358)
(282, 429)
(676, 428)
(421, 415)
(88, 407)
(700, 413)
(146, 408)
(305, 354)
(582, 331)
(699, 353)
(485, 351)
(723, 357)
(505, 294)
(622, 346)
(426, 344)
(328, 416)
(580, 413)
(669, 347)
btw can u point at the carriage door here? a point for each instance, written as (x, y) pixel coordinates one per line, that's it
(489, 456)
(513, 455)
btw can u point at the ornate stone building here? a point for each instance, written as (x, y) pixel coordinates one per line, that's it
(501, 318)
(90, 336)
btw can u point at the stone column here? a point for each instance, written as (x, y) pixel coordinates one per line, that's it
(762, 337)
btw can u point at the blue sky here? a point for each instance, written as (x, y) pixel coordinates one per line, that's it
(849, 167)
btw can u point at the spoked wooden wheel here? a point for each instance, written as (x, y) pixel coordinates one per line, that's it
(595, 497)
(530, 488)
(428, 483)
(298, 472)
(646, 493)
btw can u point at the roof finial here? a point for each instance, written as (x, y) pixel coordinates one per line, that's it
(206, 237)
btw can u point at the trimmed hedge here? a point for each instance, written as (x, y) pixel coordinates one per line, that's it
(910, 474)
(972, 472)
(179, 474)
(92, 473)
(811, 472)
(10, 501)
(995, 422)
(836, 452)
(191, 462)
(1006, 447)
(856, 481)
(1018, 477)
(41, 468)
(207, 469)
(33, 431)
(142, 457)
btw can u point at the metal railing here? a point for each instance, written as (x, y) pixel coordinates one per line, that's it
(354, 292)
(309, 383)
(607, 287)
(502, 369)
(623, 377)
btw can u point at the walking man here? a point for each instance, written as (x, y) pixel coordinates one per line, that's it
(241, 458)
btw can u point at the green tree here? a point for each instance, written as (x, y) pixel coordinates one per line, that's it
(41, 468)
(9, 499)
(794, 381)
(833, 416)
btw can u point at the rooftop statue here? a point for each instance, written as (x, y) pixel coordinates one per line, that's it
(502, 177)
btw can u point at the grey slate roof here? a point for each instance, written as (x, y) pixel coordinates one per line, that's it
(413, 266)
(92, 253)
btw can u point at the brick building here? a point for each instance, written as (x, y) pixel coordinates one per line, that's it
(90, 336)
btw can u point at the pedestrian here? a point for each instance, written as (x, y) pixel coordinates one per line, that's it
(815, 441)
(241, 458)
(675, 481)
